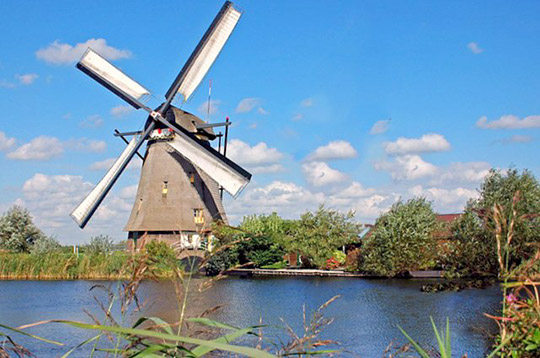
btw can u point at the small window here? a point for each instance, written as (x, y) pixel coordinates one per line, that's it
(198, 216)
(192, 178)
(165, 189)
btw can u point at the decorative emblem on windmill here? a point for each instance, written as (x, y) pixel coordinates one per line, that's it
(182, 175)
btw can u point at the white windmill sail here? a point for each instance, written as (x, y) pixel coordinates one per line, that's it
(206, 52)
(111, 77)
(232, 179)
(86, 208)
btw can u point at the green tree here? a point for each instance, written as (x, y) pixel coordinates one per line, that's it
(316, 236)
(17, 230)
(101, 244)
(402, 239)
(45, 245)
(476, 252)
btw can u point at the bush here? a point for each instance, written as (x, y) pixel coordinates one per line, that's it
(17, 230)
(316, 236)
(102, 244)
(354, 260)
(45, 245)
(221, 261)
(402, 239)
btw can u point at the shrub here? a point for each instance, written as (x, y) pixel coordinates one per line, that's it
(316, 236)
(221, 261)
(17, 230)
(354, 260)
(402, 239)
(45, 245)
(102, 244)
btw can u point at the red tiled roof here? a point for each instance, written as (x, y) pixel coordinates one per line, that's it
(447, 217)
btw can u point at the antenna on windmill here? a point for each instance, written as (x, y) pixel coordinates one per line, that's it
(178, 155)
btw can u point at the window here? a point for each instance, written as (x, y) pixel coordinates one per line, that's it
(198, 216)
(165, 189)
(192, 178)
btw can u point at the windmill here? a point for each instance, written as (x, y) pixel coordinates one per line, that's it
(182, 175)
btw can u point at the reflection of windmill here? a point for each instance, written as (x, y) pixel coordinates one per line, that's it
(179, 188)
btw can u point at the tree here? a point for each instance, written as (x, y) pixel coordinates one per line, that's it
(17, 230)
(476, 252)
(317, 235)
(45, 245)
(402, 239)
(102, 244)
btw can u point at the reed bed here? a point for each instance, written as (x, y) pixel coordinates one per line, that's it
(64, 266)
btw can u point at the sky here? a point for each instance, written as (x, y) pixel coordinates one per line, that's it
(351, 104)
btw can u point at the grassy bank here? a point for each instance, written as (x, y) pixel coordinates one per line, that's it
(58, 265)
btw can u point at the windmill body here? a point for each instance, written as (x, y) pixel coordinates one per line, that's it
(176, 201)
(183, 176)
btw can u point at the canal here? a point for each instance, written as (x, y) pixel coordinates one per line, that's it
(365, 316)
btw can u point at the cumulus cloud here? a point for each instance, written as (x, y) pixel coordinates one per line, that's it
(93, 121)
(253, 156)
(6, 143)
(380, 127)
(319, 174)
(59, 53)
(121, 111)
(459, 173)
(509, 122)
(248, 104)
(51, 198)
(445, 200)
(431, 142)
(213, 109)
(308, 102)
(407, 167)
(40, 148)
(27, 78)
(475, 48)
(339, 149)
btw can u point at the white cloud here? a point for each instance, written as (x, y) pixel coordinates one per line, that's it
(431, 142)
(267, 169)
(475, 48)
(86, 145)
(93, 121)
(287, 199)
(103, 165)
(445, 200)
(257, 155)
(517, 139)
(319, 174)
(308, 102)
(40, 148)
(27, 78)
(380, 127)
(121, 111)
(509, 122)
(59, 53)
(407, 167)
(51, 198)
(262, 111)
(458, 173)
(214, 107)
(6, 143)
(247, 104)
(338, 149)
(297, 117)
(6, 84)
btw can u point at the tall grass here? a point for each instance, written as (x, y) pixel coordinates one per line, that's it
(58, 265)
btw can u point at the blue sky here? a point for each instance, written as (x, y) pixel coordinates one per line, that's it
(353, 104)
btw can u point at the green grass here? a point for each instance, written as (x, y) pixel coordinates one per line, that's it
(58, 265)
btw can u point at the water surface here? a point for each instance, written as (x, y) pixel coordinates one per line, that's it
(365, 316)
